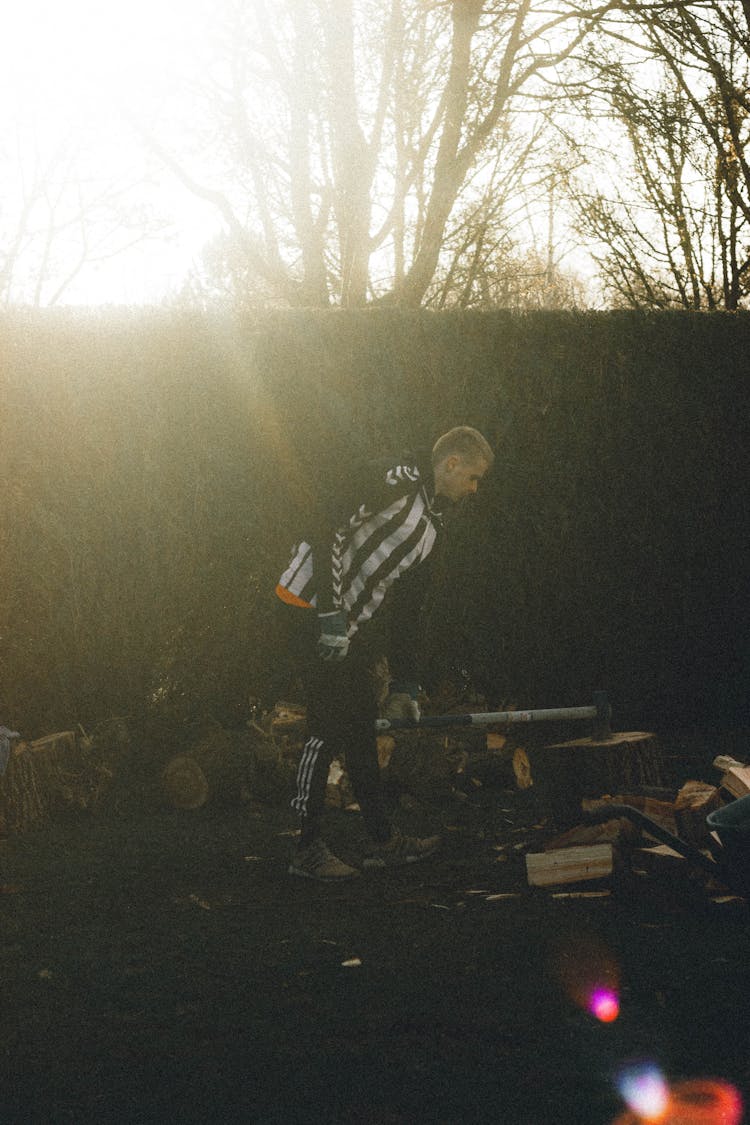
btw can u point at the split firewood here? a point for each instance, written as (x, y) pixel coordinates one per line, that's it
(660, 860)
(386, 745)
(695, 800)
(661, 812)
(287, 717)
(736, 781)
(339, 792)
(569, 865)
(724, 762)
(619, 830)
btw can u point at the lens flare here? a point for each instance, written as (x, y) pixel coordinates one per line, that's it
(590, 976)
(603, 1004)
(645, 1090)
(699, 1101)
(704, 1101)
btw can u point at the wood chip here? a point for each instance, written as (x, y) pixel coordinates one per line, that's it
(581, 894)
(197, 901)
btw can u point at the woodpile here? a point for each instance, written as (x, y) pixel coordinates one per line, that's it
(45, 777)
(601, 850)
(422, 764)
(70, 771)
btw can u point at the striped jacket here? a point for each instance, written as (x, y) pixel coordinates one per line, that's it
(385, 525)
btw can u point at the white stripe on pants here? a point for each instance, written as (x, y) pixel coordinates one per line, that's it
(306, 769)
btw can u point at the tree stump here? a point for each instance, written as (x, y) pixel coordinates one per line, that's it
(566, 772)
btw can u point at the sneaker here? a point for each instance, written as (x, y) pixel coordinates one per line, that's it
(400, 850)
(316, 862)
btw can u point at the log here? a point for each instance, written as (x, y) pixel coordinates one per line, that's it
(221, 767)
(184, 783)
(229, 767)
(566, 772)
(569, 865)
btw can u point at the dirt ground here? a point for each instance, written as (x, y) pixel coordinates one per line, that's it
(160, 966)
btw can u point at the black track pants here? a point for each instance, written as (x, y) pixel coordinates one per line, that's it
(341, 714)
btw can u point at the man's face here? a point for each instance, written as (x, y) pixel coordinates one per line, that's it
(456, 477)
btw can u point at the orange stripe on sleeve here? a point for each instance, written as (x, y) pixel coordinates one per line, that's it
(291, 599)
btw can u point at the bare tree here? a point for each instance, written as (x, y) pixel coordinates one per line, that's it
(675, 222)
(59, 218)
(347, 135)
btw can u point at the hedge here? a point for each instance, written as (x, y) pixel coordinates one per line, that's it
(156, 467)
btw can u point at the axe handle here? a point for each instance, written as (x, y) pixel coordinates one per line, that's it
(599, 711)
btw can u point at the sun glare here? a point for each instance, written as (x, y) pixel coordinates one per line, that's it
(85, 54)
(72, 79)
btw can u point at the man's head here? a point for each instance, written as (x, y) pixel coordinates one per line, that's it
(460, 458)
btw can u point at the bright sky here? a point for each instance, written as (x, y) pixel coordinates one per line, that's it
(72, 73)
(67, 72)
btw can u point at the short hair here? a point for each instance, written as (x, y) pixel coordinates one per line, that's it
(465, 442)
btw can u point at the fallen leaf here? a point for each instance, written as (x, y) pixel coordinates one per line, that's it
(351, 963)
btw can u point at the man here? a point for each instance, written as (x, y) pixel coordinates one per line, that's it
(371, 542)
